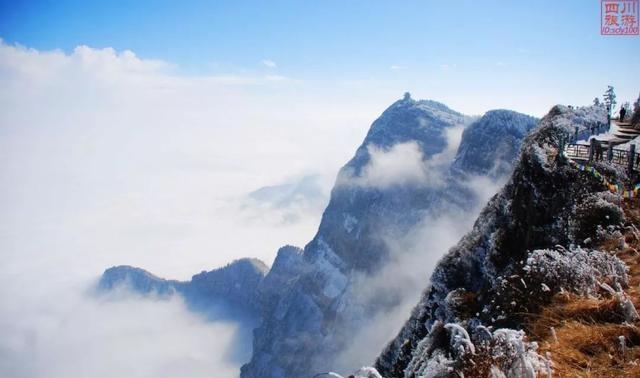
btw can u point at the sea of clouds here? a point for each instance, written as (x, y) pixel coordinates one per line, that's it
(108, 159)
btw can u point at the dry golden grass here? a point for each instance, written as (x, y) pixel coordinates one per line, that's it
(587, 330)
(594, 350)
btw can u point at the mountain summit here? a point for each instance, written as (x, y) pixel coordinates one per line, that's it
(533, 240)
(408, 169)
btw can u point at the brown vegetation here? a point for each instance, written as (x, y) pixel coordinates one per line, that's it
(588, 336)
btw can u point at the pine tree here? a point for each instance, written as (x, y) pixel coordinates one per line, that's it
(610, 99)
(596, 101)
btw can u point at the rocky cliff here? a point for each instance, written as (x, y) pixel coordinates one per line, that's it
(318, 310)
(490, 145)
(531, 241)
(408, 168)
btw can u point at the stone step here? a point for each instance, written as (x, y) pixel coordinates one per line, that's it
(628, 131)
(624, 137)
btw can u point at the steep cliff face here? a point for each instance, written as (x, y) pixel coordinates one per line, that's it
(303, 332)
(488, 279)
(319, 310)
(488, 149)
(368, 197)
(490, 145)
(400, 175)
(287, 268)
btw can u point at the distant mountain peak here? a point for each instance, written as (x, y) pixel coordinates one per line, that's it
(490, 145)
(308, 298)
(427, 105)
(547, 208)
(235, 284)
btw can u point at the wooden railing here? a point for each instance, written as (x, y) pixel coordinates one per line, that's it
(627, 159)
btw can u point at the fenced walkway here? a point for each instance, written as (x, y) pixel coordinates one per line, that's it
(615, 133)
(594, 128)
(630, 160)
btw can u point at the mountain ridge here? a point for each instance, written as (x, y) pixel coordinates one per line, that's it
(470, 288)
(305, 299)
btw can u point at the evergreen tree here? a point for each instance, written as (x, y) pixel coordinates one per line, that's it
(610, 99)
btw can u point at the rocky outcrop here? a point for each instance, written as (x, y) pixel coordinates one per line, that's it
(304, 330)
(235, 285)
(316, 312)
(307, 302)
(360, 206)
(534, 211)
(139, 280)
(491, 144)
(489, 148)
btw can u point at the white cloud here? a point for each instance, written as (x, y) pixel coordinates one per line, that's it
(402, 280)
(405, 164)
(269, 63)
(400, 165)
(125, 146)
(56, 331)
(113, 159)
(293, 200)
(107, 158)
(397, 68)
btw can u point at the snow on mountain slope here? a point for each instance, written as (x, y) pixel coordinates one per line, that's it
(375, 193)
(400, 183)
(408, 133)
(320, 312)
(491, 144)
(486, 280)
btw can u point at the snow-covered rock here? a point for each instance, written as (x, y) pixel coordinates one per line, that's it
(306, 303)
(491, 144)
(316, 316)
(305, 329)
(533, 212)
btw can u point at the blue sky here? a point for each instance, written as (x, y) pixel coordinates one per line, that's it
(112, 158)
(433, 48)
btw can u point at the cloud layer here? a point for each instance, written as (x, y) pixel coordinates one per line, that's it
(402, 164)
(403, 279)
(56, 330)
(405, 164)
(106, 159)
